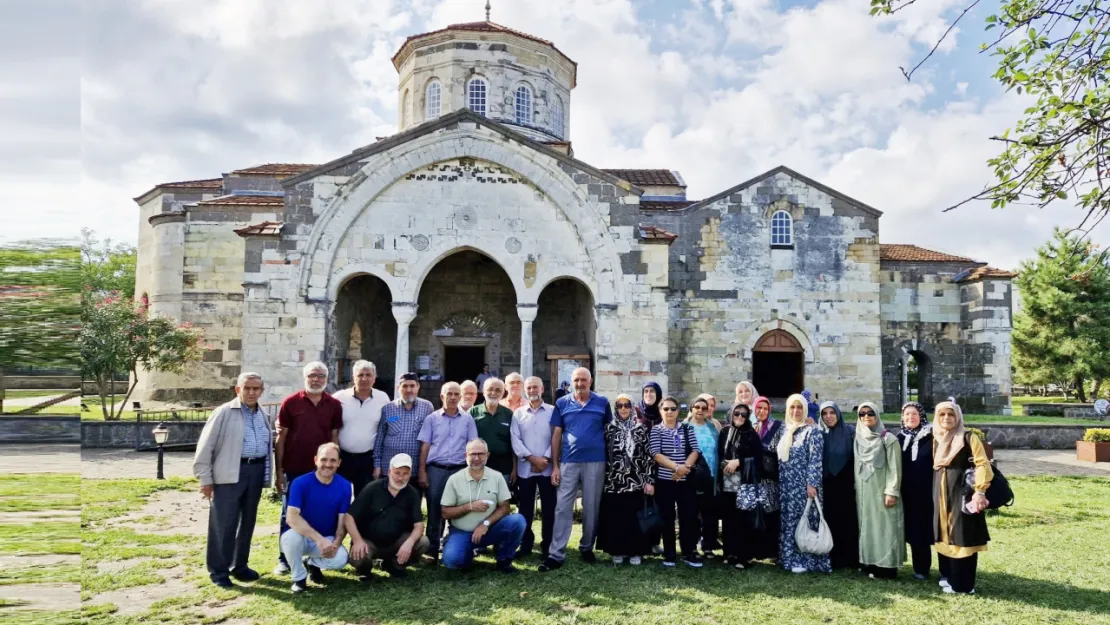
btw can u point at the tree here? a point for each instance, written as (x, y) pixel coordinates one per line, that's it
(39, 305)
(1062, 333)
(120, 335)
(1059, 52)
(107, 268)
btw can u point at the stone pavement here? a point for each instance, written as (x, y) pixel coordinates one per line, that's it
(23, 402)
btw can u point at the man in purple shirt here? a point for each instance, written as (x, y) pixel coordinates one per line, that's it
(578, 461)
(530, 433)
(443, 438)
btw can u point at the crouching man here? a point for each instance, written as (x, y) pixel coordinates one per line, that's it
(386, 522)
(318, 503)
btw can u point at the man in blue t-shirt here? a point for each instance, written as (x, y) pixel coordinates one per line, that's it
(317, 503)
(578, 460)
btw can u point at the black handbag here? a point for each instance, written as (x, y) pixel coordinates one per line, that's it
(998, 494)
(769, 464)
(649, 518)
(701, 478)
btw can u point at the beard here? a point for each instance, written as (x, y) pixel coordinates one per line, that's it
(476, 466)
(534, 397)
(398, 485)
(314, 389)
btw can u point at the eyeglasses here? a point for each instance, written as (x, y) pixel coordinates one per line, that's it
(669, 409)
(623, 405)
(867, 414)
(740, 414)
(316, 376)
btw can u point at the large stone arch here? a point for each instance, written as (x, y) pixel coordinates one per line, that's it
(446, 247)
(791, 327)
(384, 169)
(340, 276)
(548, 277)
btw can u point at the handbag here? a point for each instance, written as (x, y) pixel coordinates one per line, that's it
(769, 464)
(747, 497)
(998, 493)
(818, 542)
(701, 478)
(648, 517)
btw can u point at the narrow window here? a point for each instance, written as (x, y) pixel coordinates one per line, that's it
(405, 109)
(431, 101)
(523, 105)
(782, 229)
(558, 126)
(476, 96)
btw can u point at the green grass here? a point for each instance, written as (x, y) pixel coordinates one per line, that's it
(104, 499)
(1047, 563)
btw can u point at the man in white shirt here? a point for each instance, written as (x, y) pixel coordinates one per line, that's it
(362, 410)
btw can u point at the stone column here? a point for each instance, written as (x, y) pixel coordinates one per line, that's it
(527, 314)
(404, 313)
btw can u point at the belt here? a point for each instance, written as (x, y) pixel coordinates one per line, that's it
(447, 467)
(252, 460)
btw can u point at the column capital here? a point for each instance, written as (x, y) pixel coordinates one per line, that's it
(527, 312)
(404, 312)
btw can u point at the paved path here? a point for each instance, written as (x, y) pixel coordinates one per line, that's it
(23, 402)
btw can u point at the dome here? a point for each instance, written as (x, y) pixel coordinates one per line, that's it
(508, 76)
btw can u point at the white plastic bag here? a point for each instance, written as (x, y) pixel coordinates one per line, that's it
(818, 542)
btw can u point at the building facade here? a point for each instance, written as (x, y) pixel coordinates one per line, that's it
(474, 236)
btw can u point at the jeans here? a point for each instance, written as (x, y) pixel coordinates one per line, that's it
(295, 547)
(504, 535)
(282, 525)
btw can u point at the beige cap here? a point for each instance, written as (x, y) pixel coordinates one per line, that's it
(401, 460)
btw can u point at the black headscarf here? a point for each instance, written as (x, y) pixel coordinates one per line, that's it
(838, 440)
(651, 413)
(740, 441)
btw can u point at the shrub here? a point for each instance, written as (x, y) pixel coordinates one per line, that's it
(1097, 435)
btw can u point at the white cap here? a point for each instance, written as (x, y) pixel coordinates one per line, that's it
(401, 460)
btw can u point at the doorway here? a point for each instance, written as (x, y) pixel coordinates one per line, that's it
(462, 362)
(778, 365)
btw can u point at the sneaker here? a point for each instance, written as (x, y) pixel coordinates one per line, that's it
(618, 560)
(943, 583)
(919, 577)
(550, 564)
(739, 566)
(395, 571)
(507, 567)
(801, 569)
(635, 561)
(299, 587)
(245, 575)
(869, 575)
(588, 557)
(282, 568)
(365, 579)
(315, 575)
(223, 582)
(948, 590)
(657, 550)
(693, 561)
(668, 563)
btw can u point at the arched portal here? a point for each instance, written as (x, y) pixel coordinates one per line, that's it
(917, 378)
(364, 329)
(466, 316)
(778, 364)
(565, 328)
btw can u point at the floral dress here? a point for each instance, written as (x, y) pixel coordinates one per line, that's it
(804, 468)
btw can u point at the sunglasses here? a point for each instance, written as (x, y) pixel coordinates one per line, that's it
(867, 414)
(740, 414)
(623, 405)
(669, 409)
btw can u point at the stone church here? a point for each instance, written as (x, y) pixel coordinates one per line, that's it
(475, 235)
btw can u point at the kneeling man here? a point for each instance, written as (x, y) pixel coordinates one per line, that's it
(386, 522)
(476, 502)
(318, 503)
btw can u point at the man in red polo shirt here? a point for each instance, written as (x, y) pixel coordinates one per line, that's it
(307, 419)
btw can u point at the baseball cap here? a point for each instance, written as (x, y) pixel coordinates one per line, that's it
(401, 460)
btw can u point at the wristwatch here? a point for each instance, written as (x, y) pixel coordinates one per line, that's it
(486, 522)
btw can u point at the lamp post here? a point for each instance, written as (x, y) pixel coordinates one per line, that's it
(161, 435)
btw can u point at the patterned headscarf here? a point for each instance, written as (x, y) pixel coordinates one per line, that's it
(947, 443)
(626, 426)
(870, 454)
(914, 435)
(792, 425)
(762, 427)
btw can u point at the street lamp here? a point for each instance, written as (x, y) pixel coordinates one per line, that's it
(161, 435)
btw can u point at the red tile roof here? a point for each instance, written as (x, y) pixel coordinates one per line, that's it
(912, 253)
(208, 184)
(244, 200)
(640, 177)
(987, 272)
(483, 27)
(655, 233)
(275, 169)
(653, 205)
(260, 229)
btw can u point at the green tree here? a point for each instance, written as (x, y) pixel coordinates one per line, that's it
(107, 268)
(39, 305)
(1057, 51)
(120, 335)
(1062, 333)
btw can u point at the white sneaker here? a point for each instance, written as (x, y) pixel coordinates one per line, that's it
(635, 561)
(282, 568)
(948, 590)
(799, 570)
(618, 560)
(943, 583)
(657, 550)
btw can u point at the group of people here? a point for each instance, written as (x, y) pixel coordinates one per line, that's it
(345, 465)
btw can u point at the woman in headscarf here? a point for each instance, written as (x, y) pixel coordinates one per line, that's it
(878, 468)
(812, 409)
(650, 396)
(738, 451)
(746, 394)
(769, 431)
(916, 439)
(629, 478)
(839, 483)
(706, 433)
(801, 456)
(960, 525)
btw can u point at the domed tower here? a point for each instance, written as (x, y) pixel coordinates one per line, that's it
(508, 76)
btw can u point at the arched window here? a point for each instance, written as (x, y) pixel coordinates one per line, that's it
(431, 101)
(523, 105)
(782, 228)
(558, 126)
(405, 109)
(476, 95)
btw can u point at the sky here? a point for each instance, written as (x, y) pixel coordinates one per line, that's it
(100, 101)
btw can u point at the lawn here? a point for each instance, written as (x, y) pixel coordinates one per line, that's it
(1047, 563)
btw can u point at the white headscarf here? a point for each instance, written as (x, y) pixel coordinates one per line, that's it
(792, 426)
